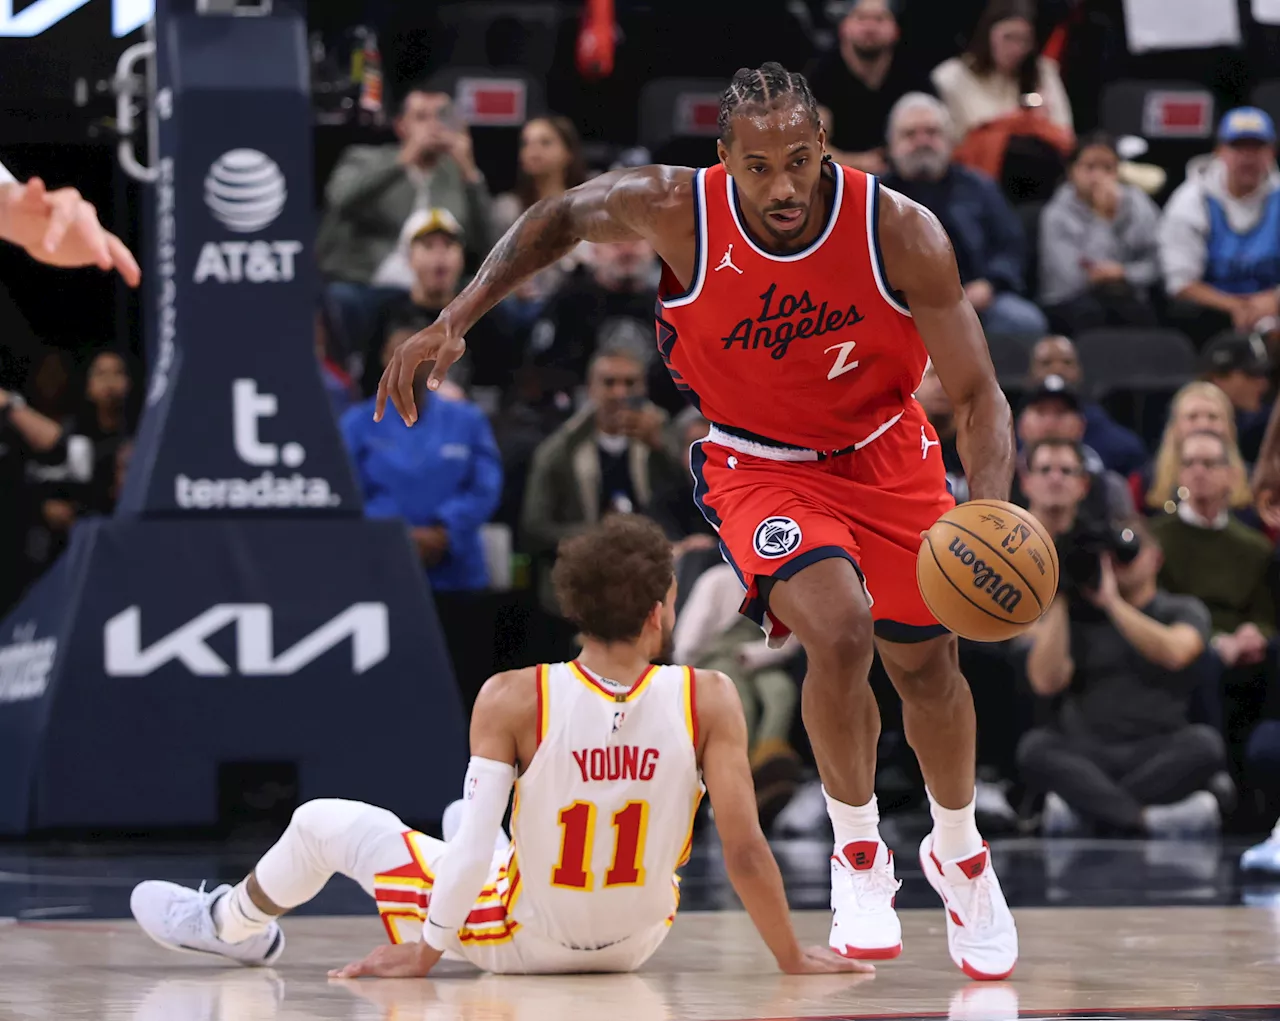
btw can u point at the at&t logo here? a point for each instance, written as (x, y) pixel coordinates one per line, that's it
(246, 191)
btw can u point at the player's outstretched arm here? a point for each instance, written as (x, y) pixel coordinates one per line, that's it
(61, 229)
(622, 205)
(920, 263)
(747, 857)
(505, 702)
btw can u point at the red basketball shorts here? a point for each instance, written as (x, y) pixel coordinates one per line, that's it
(869, 506)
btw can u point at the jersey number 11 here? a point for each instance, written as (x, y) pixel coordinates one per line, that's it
(577, 826)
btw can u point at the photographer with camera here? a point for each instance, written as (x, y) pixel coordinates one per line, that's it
(1125, 657)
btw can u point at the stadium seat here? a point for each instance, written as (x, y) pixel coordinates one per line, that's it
(678, 119)
(1029, 215)
(1267, 96)
(1135, 372)
(1011, 355)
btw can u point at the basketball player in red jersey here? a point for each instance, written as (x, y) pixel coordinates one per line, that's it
(800, 303)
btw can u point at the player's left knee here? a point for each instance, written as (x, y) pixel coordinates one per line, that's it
(928, 672)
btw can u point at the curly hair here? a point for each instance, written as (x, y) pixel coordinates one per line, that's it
(765, 87)
(608, 579)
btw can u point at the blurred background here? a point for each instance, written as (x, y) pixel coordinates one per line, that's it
(224, 590)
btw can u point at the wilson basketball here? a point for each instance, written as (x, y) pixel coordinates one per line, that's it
(987, 570)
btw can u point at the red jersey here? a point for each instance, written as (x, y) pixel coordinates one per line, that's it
(809, 349)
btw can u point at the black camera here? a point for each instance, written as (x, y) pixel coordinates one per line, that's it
(1080, 552)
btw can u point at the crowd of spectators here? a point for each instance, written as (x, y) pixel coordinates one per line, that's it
(1151, 681)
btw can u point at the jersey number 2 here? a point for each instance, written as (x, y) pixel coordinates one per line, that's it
(577, 826)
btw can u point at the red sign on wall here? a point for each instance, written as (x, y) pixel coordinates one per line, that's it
(1186, 114)
(697, 113)
(491, 102)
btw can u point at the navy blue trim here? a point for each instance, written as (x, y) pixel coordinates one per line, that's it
(697, 462)
(826, 224)
(875, 245)
(699, 184)
(797, 564)
(908, 634)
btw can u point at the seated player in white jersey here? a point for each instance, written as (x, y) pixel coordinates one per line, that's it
(612, 754)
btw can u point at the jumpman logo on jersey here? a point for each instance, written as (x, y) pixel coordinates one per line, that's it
(926, 443)
(727, 262)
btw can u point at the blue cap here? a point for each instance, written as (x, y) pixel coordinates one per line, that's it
(1246, 123)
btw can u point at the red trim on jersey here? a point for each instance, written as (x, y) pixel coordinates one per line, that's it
(537, 683)
(693, 706)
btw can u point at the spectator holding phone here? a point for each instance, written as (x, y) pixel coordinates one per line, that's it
(375, 188)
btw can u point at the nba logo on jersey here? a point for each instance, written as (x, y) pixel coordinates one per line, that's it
(776, 537)
(471, 787)
(618, 717)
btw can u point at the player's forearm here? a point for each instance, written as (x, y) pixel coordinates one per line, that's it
(755, 877)
(984, 439)
(541, 237)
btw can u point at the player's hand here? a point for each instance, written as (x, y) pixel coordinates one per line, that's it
(438, 344)
(824, 961)
(59, 228)
(405, 960)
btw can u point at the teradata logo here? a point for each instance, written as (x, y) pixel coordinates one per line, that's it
(126, 16)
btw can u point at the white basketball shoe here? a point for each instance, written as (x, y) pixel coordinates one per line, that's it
(181, 919)
(981, 934)
(863, 922)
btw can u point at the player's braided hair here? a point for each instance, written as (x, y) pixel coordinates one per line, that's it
(765, 87)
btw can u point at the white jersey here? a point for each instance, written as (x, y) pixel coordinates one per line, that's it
(603, 815)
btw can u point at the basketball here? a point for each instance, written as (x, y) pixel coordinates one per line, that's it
(987, 570)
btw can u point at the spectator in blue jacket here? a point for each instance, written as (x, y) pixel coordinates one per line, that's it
(984, 229)
(1121, 450)
(443, 475)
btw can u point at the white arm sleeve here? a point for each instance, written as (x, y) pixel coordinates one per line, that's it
(464, 866)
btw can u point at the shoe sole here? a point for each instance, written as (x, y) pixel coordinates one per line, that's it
(930, 870)
(869, 954)
(178, 948)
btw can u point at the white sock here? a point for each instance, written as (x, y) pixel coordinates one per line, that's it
(853, 822)
(236, 917)
(955, 831)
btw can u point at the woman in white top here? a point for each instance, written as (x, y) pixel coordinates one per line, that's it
(987, 81)
(550, 163)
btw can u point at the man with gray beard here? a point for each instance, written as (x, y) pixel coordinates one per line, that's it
(984, 229)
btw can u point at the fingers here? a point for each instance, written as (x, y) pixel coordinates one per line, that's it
(123, 261)
(353, 970)
(404, 400)
(62, 215)
(380, 405)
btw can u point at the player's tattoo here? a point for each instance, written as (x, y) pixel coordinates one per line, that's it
(623, 205)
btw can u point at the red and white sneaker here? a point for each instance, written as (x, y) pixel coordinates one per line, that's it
(981, 934)
(863, 922)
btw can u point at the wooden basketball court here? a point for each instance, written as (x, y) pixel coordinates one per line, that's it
(1131, 961)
